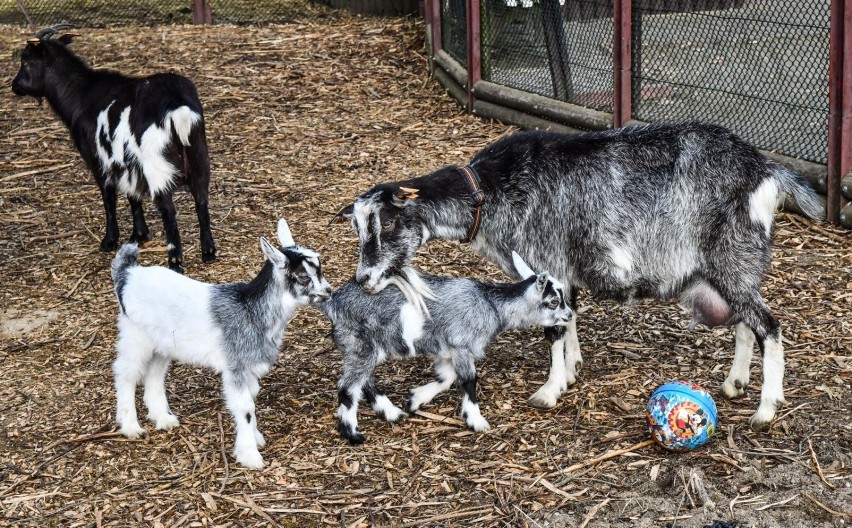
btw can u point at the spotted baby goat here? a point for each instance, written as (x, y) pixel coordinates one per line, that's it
(137, 135)
(662, 211)
(236, 329)
(459, 319)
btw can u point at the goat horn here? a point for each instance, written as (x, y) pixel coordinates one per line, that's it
(47, 33)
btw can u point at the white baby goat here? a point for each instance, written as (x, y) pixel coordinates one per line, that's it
(235, 329)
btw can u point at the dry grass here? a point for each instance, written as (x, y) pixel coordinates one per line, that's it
(301, 118)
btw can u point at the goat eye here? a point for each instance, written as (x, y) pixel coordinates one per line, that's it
(388, 223)
(553, 304)
(303, 279)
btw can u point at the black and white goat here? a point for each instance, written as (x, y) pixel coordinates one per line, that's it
(662, 211)
(455, 323)
(136, 135)
(235, 329)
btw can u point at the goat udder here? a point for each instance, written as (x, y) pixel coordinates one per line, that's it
(709, 308)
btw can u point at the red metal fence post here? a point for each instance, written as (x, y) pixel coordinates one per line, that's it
(845, 164)
(435, 9)
(201, 12)
(474, 49)
(837, 59)
(622, 29)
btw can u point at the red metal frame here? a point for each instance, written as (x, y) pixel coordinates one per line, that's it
(845, 156)
(622, 62)
(838, 142)
(435, 9)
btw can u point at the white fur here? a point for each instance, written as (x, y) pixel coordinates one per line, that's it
(622, 262)
(521, 267)
(743, 350)
(556, 384)
(147, 150)
(473, 416)
(167, 316)
(763, 202)
(772, 391)
(384, 407)
(424, 394)
(412, 320)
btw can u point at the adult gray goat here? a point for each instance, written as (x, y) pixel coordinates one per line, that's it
(662, 211)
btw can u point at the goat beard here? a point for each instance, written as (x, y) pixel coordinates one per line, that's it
(414, 289)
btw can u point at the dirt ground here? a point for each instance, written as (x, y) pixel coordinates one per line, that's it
(301, 118)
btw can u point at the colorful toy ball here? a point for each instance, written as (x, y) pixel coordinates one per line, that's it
(681, 416)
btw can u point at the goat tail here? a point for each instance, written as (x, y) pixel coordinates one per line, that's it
(799, 188)
(414, 289)
(125, 258)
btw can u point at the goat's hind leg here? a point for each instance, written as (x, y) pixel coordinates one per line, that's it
(445, 375)
(155, 394)
(110, 240)
(166, 206)
(134, 351)
(381, 403)
(470, 412)
(737, 381)
(141, 234)
(754, 313)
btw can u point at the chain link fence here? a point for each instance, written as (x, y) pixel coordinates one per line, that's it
(95, 13)
(558, 51)
(758, 67)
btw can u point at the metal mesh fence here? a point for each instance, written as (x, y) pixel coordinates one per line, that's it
(558, 51)
(88, 13)
(454, 29)
(757, 67)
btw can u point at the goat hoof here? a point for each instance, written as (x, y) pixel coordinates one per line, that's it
(409, 404)
(109, 244)
(250, 459)
(164, 423)
(139, 239)
(208, 256)
(177, 268)
(132, 431)
(733, 390)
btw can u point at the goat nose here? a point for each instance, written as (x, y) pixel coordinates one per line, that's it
(362, 279)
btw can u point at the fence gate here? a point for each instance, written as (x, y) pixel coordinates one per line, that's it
(770, 70)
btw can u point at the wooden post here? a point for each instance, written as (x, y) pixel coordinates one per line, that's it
(474, 50)
(201, 12)
(557, 50)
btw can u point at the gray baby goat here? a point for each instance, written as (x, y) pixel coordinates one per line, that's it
(459, 319)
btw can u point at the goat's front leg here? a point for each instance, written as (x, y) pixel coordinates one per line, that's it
(381, 404)
(557, 379)
(140, 228)
(470, 413)
(240, 402)
(445, 375)
(110, 239)
(167, 209)
(254, 388)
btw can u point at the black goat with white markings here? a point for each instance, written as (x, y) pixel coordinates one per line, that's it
(661, 211)
(136, 135)
(453, 326)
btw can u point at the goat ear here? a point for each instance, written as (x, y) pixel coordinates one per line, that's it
(67, 38)
(284, 234)
(521, 267)
(343, 215)
(403, 195)
(277, 258)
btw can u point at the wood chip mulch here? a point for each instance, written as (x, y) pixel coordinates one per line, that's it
(301, 118)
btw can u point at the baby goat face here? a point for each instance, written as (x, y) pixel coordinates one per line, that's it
(548, 295)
